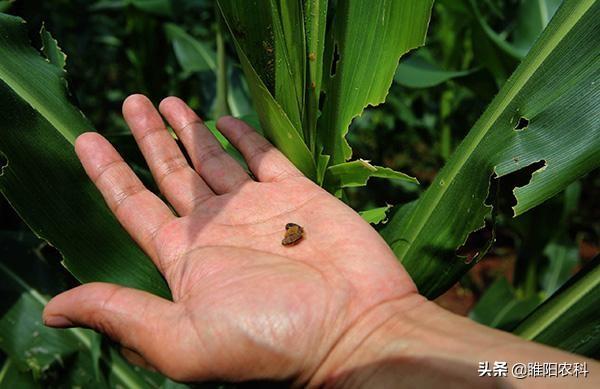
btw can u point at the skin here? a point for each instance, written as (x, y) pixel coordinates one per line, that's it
(336, 309)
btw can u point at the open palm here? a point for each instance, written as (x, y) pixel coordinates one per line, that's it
(244, 305)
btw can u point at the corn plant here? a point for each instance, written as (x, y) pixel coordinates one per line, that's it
(311, 67)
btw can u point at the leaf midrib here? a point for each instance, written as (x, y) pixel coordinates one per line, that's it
(37, 105)
(578, 291)
(519, 83)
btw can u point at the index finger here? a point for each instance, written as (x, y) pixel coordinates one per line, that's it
(140, 211)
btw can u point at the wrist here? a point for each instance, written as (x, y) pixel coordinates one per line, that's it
(412, 342)
(381, 334)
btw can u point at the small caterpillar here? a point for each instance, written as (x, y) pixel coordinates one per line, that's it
(293, 234)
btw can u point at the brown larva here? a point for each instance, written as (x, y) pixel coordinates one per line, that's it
(293, 234)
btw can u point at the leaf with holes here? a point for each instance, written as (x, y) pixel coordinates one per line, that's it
(375, 215)
(368, 38)
(44, 180)
(269, 40)
(548, 112)
(357, 173)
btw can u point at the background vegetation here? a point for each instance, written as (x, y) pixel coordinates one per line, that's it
(180, 47)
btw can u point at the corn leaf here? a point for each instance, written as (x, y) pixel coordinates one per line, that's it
(44, 180)
(290, 53)
(500, 306)
(357, 173)
(569, 319)
(315, 24)
(369, 36)
(262, 60)
(10, 374)
(547, 113)
(68, 358)
(375, 215)
(416, 72)
(192, 54)
(51, 49)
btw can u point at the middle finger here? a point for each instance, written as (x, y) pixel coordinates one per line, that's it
(216, 167)
(180, 184)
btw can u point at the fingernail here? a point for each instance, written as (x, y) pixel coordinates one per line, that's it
(58, 321)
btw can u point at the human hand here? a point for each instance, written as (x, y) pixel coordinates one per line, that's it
(244, 306)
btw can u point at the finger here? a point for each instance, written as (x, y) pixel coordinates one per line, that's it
(266, 162)
(139, 321)
(180, 184)
(140, 211)
(218, 168)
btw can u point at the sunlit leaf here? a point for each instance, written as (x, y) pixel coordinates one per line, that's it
(316, 20)
(357, 173)
(255, 52)
(367, 40)
(44, 180)
(376, 215)
(51, 49)
(546, 113)
(569, 319)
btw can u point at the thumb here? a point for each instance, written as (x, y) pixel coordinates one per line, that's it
(137, 320)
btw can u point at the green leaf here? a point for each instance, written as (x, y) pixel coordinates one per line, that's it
(315, 12)
(416, 72)
(25, 279)
(270, 35)
(228, 147)
(357, 173)
(5, 5)
(290, 57)
(242, 20)
(501, 308)
(569, 319)
(369, 36)
(563, 258)
(155, 7)
(44, 180)
(51, 49)
(192, 54)
(12, 377)
(498, 39)
(376, 215)
(555, 91)
(533, 16)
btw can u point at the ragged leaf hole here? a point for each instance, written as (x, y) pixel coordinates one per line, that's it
(501, 198)
(335, 59)
(477, 243)
(503, 187)
(322, 97)
(3, 163)
(522, 124)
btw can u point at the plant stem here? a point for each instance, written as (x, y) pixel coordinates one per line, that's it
(221, 106)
